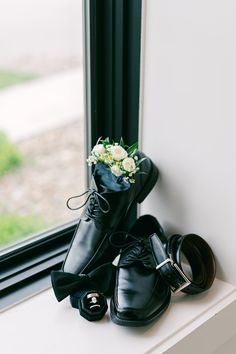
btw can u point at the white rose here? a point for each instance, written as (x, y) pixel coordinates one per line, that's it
(116, 170)
(129, 164)
(99, 149)
(118, 153)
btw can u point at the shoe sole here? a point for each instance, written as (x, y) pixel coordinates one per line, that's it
(138, 323)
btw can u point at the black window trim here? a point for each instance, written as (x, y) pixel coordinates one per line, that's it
(112, 32)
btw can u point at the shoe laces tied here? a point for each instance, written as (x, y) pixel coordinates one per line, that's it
(95, 200)
(125, 243)
(132, 249)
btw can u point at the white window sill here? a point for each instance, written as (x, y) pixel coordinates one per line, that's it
(192, 324)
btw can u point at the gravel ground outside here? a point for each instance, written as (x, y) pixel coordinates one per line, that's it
(53, 169)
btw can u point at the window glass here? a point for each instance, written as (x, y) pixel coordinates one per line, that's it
(41, 115)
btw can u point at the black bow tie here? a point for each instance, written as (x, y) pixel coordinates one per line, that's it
(65, 284)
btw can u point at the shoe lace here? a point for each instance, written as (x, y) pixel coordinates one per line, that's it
(123, 243)
(132, 249)
(94, 200)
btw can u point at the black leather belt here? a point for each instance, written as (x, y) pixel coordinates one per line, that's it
(198, 255)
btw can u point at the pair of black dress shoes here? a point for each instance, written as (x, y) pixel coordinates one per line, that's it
(150, 265)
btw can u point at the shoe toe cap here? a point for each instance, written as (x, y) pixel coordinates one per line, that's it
(129, 314)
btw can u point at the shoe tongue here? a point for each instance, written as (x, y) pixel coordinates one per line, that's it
(107, 182)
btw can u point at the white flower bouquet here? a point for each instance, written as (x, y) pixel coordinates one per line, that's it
(119, 158)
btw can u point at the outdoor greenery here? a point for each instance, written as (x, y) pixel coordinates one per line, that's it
(10, 157)
(13, 227)
(9, 78)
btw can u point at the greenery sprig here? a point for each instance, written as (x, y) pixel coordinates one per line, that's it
(118, 157)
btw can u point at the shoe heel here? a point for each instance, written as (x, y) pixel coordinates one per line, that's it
(149, 185)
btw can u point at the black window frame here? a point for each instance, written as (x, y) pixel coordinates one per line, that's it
(112, 32)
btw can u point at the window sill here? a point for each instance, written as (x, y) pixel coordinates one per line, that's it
(26, 267)
(192, 323)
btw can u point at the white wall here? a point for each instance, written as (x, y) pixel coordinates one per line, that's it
(189, 120)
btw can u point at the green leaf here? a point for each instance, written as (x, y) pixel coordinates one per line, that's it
(132, 149)
(105, 141)
(140, 161)
(133, 153)
(122, 144)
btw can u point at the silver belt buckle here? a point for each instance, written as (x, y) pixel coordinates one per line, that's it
(186, 282)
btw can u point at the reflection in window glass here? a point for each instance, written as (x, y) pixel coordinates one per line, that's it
(41, 114)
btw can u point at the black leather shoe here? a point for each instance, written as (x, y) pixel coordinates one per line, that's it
(109, 200)
(141, 295)
(150, 266)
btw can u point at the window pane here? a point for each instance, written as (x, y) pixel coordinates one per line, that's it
(41, 115)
